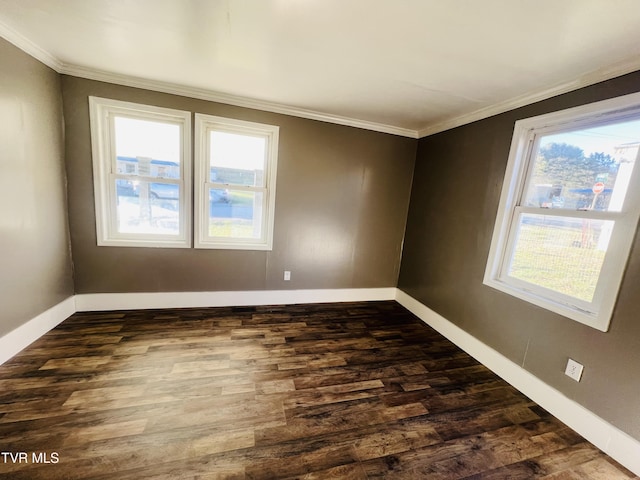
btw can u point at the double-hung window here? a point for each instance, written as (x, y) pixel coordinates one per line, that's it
(569, 209)
(235, 182)
(142, 174)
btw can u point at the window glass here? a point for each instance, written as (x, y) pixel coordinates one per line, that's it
(147, 148)
(148, 208)
(237, 159)
(235, 214)
(584, 169)
(563, 254)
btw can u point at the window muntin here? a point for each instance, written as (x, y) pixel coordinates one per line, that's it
(141, 174)
(568, 211)
(235, 183)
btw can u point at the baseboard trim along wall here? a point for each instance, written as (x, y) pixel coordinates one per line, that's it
(602, 434)
(23, 336)
(125, 301)
(27, 333)
(614, 442)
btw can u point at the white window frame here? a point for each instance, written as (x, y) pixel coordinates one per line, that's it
(596, 314)
(102, 112)
(204, 124)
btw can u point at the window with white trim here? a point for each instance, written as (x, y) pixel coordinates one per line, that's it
(142, 174)
(569, 209)
(235, 183)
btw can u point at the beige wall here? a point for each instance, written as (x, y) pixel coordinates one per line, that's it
(454, 201)
(35, 263)
(341, 204)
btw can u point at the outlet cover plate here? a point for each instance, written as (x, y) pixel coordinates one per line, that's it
(574, 370)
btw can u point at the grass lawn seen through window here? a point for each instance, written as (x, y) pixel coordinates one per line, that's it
(565, 259)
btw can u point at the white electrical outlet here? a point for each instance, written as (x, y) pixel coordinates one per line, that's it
(287, 275)
(574, 370)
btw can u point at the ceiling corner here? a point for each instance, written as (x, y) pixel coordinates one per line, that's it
(27, 46)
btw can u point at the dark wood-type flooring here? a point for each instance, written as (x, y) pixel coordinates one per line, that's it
(352, 390)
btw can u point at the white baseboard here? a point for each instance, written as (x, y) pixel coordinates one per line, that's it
(27, 333)
(124, 301)
(614, 442)
(18, 339)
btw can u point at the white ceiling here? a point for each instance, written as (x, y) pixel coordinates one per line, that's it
(410, 67)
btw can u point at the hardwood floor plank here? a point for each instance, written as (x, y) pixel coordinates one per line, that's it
(356, 390)
(105, 431)
(79, 364)
(341, 472)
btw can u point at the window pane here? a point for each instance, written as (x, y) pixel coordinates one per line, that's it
(147, 148)
(237, 159)
(146, 166)
(563, 254)
(144, 207)
(584, 169)
(235, 214)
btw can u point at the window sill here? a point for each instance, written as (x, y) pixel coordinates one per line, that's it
(598, 320)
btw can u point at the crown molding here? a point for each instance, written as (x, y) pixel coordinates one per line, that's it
(238, 101)
(591, 78)
(27, 46)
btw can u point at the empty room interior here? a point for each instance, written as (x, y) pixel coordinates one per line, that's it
(319, 239)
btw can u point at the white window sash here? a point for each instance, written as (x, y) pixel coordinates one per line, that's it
(205, 124)
(590, 307)
(526, 137)
(102, 114)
